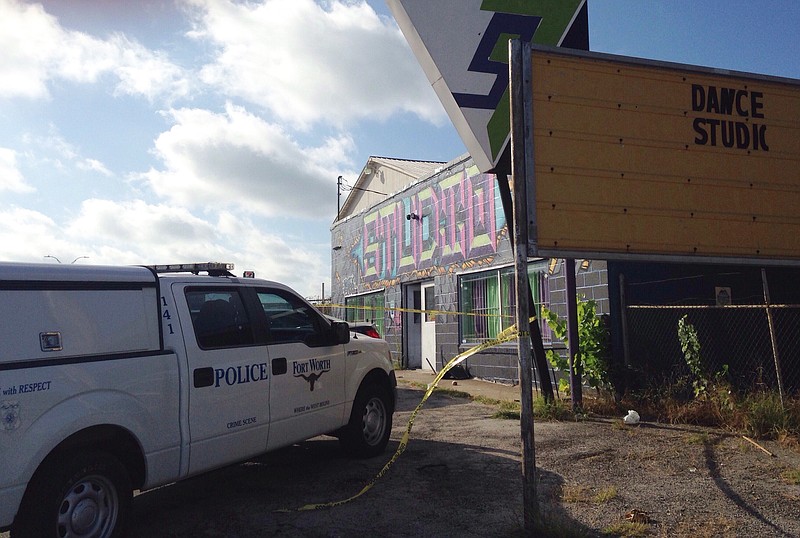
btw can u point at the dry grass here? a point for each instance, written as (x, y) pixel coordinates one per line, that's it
(576, 494)
(790, 440)
(584, 494)
(453, 393)
(627, 529)
(760, 415)
(605, 495)
(791, 476)
(700, 438)
(556, 410)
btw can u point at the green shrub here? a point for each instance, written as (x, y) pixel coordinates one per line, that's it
(555, 410)
(591, 362)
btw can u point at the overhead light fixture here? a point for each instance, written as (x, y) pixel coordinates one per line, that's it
(586, 265)
(368, 171)
(554, 266)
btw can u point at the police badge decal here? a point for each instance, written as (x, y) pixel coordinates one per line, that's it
(9, 415)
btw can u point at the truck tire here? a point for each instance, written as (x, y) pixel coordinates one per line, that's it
(76, 494)
(367, 433)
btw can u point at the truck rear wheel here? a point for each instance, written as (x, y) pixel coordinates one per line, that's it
(367, 433)
(78, 494)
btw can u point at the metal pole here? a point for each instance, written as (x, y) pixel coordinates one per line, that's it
(576, 393)
(626, 346)
(522, 167)
(772, 335)
(623, 308)
(338, 196)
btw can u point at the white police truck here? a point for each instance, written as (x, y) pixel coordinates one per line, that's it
(115, 379)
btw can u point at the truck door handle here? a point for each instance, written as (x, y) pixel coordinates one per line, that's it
(279, 366)
(203, 377)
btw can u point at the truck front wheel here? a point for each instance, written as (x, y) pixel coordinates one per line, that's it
(367, 433)
(78, 494)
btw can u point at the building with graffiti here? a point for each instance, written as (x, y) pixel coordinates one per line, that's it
(422, 250)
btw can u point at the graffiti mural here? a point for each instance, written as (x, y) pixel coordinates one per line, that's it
(454, 220)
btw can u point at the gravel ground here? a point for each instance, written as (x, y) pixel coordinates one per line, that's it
(460, 476)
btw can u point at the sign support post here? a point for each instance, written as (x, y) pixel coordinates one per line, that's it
(575, 381)
(522, 172)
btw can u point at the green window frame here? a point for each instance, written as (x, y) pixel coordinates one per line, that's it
(487, 301)
(368, 307)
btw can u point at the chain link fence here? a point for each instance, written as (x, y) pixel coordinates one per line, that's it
(759, 345)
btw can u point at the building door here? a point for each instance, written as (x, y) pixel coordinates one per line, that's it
(428, 331)
(412, 326)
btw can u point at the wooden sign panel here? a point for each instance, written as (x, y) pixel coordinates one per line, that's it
(641, 159)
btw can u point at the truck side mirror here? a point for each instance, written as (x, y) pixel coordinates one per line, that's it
(341, 332)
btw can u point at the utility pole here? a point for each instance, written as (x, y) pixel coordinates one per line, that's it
(338, 196)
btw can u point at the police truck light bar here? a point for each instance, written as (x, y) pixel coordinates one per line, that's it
(209, 267)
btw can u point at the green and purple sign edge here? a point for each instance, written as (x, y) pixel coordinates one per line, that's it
(462, 46)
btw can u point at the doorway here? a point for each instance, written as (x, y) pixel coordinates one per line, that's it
(419, 329)
(428, 332)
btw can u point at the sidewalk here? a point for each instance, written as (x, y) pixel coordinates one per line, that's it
(474, 387)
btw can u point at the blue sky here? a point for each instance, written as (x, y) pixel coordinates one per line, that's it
(163, 131)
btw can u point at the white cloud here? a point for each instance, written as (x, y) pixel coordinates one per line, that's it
(135, 222)
(11, 178)
(236, 159)
(275, 257)
(27, 235)
(147, 73)
(134, 232)
(53, 150)
(307, 62)
(28, 39)
(38, 51)
(94, 165)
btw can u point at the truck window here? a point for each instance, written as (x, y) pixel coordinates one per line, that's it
(219, 319)
(289, 318)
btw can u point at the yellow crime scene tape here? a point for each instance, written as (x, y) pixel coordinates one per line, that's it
(414, 310)
(507, 335)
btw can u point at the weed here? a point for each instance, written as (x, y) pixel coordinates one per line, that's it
(507, 415)
(416, 384)
(603, 405)
(585, 494)
(697, 438)
(627, 529)
(791, 476)
(764, 415)
(690, 345)
(489, 401)
(790, 440)
(556, 410)
(576, 494)
(605, 494)
(618, 425)
(453, 393)
(591, 362)
(507, 410)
